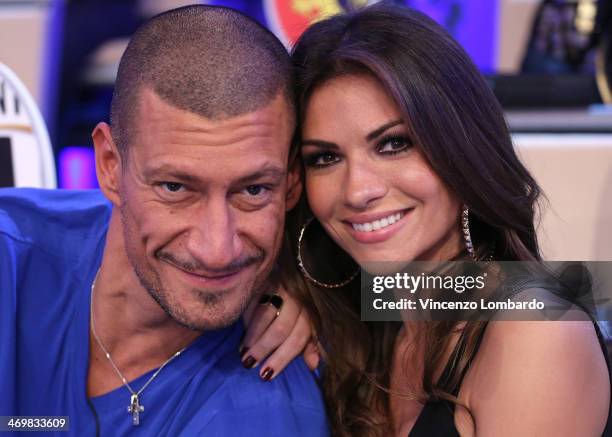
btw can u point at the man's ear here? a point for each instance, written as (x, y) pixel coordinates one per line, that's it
(108, 162)
(294, 184)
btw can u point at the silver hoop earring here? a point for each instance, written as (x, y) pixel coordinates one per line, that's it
(302, 267)
(467, 237)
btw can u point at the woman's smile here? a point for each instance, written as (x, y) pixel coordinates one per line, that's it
(376, 227)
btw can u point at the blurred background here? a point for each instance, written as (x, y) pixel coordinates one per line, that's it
(548, 61)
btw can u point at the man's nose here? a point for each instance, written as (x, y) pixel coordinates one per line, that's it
(363, 184)
(214, 239)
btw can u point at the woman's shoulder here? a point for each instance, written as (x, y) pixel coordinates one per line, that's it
(539, 377)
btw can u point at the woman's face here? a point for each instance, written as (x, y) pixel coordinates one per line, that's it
(368, 185)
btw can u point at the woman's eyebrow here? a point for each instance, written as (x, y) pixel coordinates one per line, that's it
(319, 143)
(377, 132)
(369, 137)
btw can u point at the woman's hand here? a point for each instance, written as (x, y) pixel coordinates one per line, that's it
(277, 331)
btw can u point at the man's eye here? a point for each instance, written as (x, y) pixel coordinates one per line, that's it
(394, 145)
(321, 159)
(255, 190)
(172, 187)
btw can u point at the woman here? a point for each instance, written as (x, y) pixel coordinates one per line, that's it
(402, 141)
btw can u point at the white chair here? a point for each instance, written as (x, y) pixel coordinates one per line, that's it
(26, 155)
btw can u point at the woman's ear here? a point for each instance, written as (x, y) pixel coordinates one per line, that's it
(108, 162)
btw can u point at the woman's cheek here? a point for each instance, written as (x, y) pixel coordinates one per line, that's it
(321, 198)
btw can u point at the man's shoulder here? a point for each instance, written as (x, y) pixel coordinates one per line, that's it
(224, 398)
(62, 224)
(49, 218)
(290, 404)
(295, 385)
(23, 201)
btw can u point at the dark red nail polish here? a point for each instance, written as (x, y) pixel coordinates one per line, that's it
(248, 362)
(243, 350)
(268, 373)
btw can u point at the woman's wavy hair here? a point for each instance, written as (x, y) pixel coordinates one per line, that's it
(458, 125)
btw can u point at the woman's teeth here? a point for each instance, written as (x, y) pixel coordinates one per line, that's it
(378, 224)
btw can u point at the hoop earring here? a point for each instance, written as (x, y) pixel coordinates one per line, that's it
(302, 267)
(467, 237)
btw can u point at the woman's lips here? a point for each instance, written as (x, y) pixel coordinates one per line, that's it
(378, 227)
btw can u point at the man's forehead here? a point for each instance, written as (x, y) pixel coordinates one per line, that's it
(156, 111)
(177, 143)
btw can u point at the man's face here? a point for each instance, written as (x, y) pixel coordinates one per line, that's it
(202, 206)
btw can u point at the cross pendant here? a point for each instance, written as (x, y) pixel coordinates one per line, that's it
(135, 408)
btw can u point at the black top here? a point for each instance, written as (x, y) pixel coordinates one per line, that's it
(437, 419)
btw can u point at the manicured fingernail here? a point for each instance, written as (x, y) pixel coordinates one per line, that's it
(248, 362)
(268, 373)
(243, 350)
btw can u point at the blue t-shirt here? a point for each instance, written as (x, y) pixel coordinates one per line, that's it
(51, 244)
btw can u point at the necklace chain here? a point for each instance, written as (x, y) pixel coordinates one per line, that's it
(134, 399)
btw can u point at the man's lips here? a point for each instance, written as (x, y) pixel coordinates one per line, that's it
(206, 279)
(369, 228)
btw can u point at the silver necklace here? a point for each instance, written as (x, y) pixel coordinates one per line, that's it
(135, 408)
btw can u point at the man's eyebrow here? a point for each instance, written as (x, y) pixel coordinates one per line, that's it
(273, 172)
(167, 170)
(369, 137)
(377, 132)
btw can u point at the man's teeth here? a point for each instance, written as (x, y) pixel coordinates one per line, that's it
(378, 224)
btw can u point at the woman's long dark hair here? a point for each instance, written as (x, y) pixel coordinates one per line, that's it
(458, 125)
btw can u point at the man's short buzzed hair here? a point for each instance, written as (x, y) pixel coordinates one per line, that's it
(212, 61)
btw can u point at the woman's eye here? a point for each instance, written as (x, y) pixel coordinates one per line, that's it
(172, 187)
(394, 145)
(321, 159)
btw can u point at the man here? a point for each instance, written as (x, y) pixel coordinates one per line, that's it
(98, 292)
